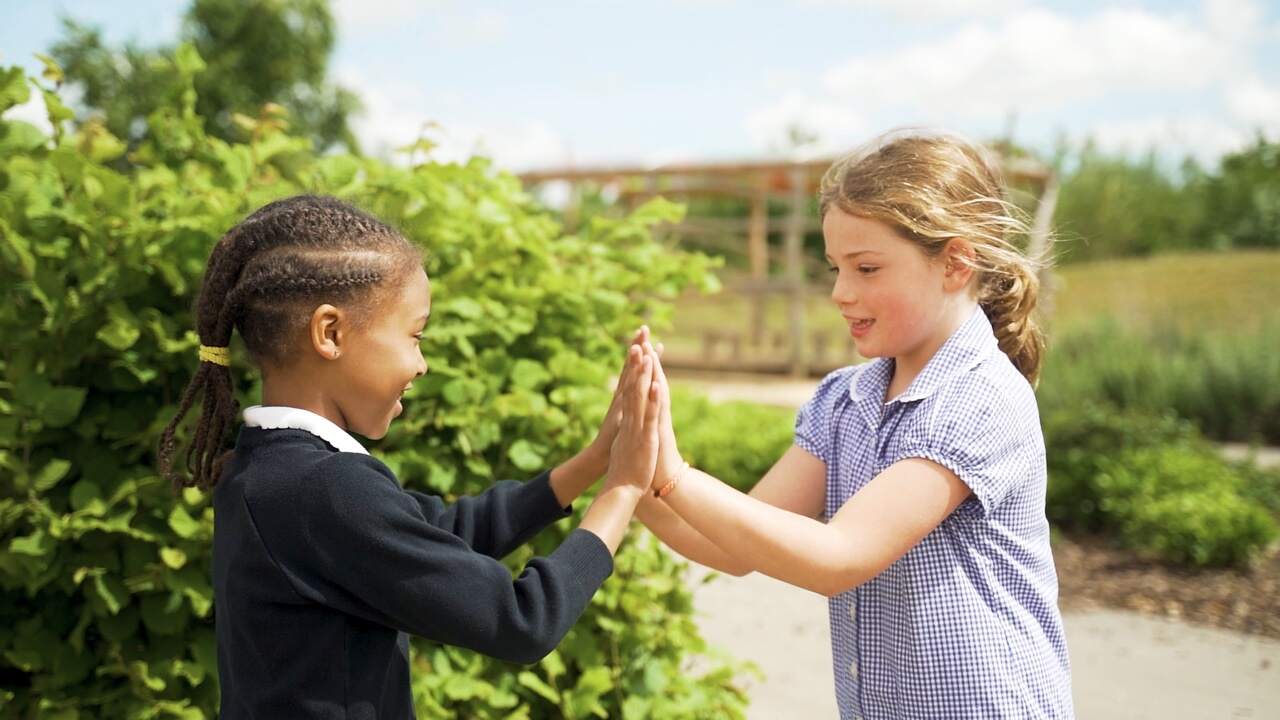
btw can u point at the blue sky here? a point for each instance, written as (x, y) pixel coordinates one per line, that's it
(554, 83)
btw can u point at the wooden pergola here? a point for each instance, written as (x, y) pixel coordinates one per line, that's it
(759, 182)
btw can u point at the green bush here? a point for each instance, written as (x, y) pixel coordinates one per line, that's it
(735, 441)
(106, 609)
(1154, 483)
(1183, 505)
(1080, 439)
(1228, 384)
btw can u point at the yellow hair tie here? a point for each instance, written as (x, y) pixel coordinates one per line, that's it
(217, 355)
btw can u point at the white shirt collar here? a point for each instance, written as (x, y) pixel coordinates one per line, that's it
(276, 417)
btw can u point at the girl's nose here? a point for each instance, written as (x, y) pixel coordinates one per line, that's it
(841, 293)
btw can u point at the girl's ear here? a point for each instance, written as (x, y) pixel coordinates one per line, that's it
(327, 331)
(959, 259)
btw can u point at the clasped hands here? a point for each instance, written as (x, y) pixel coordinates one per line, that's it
(637, 433)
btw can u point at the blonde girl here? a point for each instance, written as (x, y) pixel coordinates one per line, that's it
(913, 497)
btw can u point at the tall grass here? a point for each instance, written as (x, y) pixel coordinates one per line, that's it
(1225, 382)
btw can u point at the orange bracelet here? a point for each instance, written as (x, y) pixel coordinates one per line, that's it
(665, 490)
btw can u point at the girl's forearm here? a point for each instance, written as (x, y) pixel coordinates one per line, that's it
(610, 514)
(681, 537)
(572, 477)
(781, 544)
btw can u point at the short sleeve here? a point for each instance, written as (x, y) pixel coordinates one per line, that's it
(814, 419)
(977, 432)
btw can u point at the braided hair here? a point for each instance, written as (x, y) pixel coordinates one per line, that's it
(265, 277)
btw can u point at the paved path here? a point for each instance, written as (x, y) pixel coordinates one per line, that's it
(1124, 666)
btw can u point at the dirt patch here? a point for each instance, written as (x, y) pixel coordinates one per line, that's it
(1093, 573)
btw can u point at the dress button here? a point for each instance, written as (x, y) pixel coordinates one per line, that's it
(853, 610)
(853, 669)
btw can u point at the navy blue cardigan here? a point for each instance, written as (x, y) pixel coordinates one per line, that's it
(322, 563)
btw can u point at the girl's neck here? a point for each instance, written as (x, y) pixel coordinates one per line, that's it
(908, 366)
(289, 391)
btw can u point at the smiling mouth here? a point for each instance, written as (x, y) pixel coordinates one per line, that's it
(859, 327)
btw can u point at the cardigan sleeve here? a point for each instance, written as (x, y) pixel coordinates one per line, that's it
(498, 520)
(360, 544)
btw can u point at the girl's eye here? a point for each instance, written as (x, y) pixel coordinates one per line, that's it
(867, 269)
(833, 270)
(417, 336)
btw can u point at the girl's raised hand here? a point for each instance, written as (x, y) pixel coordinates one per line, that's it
(635, 449)
(603, 441)
(669, 463)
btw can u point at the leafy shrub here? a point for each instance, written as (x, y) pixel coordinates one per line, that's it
(735, 441)
(1227, 384)
(1079, 440)
(106, 609)
(1184, 506)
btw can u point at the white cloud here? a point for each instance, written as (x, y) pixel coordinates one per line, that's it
(920, 10)
(373, 14)
(397, 115)
(446, 21)
(32, 111)
(1253, 102)
(1047, 64)
(1039, 59)
(481, 27)
(836, 124)
(1202, 137)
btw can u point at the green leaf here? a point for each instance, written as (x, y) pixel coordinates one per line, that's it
(37, 544)
(529, 374)
(17, 137)
(122, 329)
(86, 497)
(61, 405)
(52, 70)
(182, 523)
(13, 87)
(111, 591)
(526, 455)
(536, 684)
(173, 557)
(188, 60)
(57, 111)
(51, 474)
(139, 670)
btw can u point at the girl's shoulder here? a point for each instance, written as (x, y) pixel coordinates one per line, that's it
(991, 397)
(286, 464)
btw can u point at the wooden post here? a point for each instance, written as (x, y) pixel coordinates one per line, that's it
(758, 251)
(794, 245)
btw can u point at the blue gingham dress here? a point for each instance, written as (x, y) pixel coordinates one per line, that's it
(966, 623)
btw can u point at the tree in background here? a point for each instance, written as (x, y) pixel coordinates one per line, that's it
(1242, 200)
(1114, 206)
(257, 52)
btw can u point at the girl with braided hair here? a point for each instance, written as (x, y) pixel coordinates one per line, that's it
(913, 497)
(322, 563)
